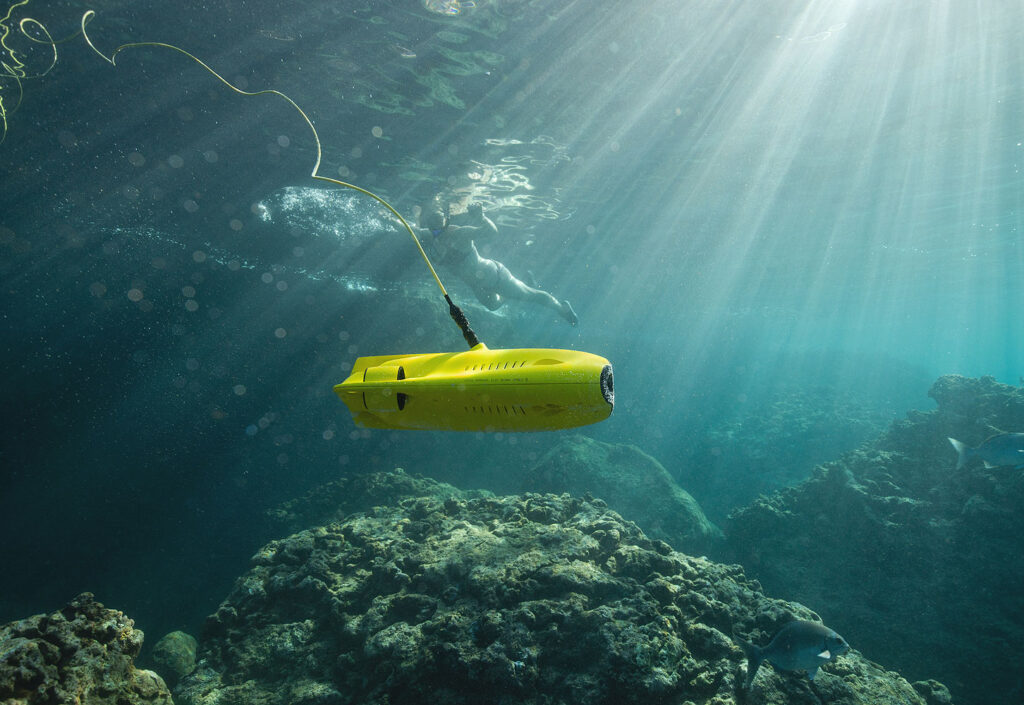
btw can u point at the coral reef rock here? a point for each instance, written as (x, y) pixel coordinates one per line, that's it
(335, 500)
(918, 564)
(81, 654)
(523, 599)
(633, 483)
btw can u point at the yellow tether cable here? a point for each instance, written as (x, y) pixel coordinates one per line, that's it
(87, 17)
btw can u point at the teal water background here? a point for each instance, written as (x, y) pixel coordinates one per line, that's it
(738, 198)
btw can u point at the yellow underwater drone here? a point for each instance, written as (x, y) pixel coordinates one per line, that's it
(527, 389)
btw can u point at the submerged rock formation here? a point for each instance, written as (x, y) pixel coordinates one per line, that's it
(81, 654)
(335, 500)
(774, 444)
(633, 483)
(915, 562)
(521, 599)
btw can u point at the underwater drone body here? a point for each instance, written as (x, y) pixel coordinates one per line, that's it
(480, 390)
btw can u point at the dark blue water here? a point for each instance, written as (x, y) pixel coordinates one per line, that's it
(745, 203)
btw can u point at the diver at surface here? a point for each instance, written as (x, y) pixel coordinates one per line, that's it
(450, 240)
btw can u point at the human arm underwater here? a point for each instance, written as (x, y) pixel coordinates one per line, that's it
(463, 228)
(473, 217)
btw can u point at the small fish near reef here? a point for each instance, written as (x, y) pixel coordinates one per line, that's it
(996, 451)
(799, 645)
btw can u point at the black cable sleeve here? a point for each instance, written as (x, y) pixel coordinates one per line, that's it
(462, 322)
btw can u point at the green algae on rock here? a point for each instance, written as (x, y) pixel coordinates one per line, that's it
(175, 656)
(83, 653)
(634, 484)
(525, 599)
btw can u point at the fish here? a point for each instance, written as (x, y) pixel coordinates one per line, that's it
(996, 451)
(799, 645)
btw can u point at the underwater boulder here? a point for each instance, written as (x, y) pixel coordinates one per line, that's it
(896, 524)
(83, 653)
(175, 656)
(633, 483)
(522, 599)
